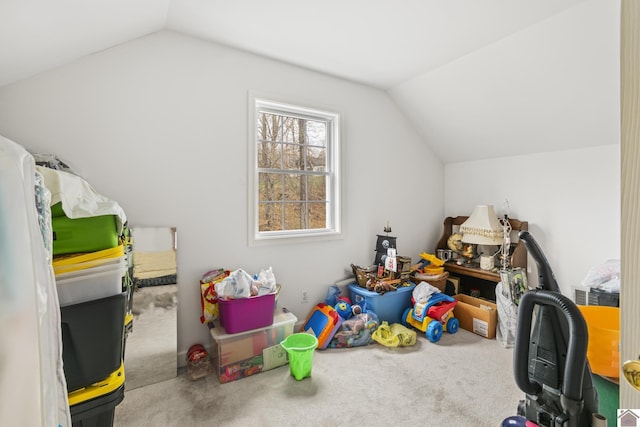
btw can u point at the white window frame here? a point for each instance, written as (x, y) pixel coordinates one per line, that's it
(334, 206)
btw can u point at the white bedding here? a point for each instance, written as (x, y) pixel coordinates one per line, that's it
(79, 199)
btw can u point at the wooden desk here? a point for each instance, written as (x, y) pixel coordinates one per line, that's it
(473, 271)
(472, 276)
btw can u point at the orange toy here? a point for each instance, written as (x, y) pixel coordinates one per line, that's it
(323, 321)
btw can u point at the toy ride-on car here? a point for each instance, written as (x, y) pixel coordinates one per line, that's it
(433, 317)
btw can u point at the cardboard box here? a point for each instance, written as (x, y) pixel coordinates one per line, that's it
(247, 353)
(476, 315)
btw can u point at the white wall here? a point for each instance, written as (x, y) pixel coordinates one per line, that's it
(160, 125)
(554, 84)
(571, 200)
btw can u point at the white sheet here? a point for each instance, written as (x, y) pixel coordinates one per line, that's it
(79, 199)
(33, 389)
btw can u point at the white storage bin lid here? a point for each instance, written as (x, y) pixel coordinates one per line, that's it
(88, 287)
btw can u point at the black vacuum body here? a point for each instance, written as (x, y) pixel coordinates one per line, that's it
(550, 362)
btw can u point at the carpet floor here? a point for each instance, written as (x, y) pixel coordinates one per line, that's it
(463, 380)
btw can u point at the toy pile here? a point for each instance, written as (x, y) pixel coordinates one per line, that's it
(339, 323)
(369, 279)
(220, 284)
(430, 269)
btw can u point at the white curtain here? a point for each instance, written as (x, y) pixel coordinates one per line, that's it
(33, 389)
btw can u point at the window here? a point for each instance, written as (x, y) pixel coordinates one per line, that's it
(294, 189)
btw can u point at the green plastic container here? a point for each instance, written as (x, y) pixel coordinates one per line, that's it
(83, 234)
(300, 347)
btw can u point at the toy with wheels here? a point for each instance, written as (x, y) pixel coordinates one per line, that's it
(434, 317)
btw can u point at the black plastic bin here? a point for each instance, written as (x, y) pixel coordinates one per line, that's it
(94, 406)
(92, 340)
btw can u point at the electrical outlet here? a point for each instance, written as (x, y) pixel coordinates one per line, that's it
(305, 297)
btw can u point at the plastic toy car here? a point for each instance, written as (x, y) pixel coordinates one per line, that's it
(434, 317)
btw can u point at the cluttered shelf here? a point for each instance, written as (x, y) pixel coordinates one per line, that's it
(470, 275)
(472, 270)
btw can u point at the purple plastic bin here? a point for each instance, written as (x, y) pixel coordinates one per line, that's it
(244, 314)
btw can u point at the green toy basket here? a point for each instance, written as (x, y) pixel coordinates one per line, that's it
(300, 347)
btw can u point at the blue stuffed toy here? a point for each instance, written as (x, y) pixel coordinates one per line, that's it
(344, 309)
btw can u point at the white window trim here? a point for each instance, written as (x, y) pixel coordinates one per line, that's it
(256, 238)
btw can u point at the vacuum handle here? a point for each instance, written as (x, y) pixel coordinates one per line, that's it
(546, 279)
(576, 350)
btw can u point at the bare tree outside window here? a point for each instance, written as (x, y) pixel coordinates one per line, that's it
(295, 175)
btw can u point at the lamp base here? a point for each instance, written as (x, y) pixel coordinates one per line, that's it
(469, 253)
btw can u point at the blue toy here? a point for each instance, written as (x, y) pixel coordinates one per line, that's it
(344, 309)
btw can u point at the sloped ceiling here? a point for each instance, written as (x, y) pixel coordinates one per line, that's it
(37, 35)
(376, 42)
(384, 44)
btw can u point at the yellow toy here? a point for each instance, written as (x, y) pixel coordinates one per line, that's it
(432, 259)
(435, 265)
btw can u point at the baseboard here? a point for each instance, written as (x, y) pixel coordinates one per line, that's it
(182, 358)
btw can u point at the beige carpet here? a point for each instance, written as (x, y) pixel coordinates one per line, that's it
(464, 380)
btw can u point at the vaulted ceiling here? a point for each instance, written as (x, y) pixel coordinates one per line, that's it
(379, 43)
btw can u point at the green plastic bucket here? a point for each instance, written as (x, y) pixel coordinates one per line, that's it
(300, 347)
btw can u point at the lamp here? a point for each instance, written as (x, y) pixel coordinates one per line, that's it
(481, 228)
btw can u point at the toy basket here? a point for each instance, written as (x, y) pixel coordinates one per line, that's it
(603, 324)
(438, 280)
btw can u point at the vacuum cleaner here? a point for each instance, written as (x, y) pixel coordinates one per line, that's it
(550, 355)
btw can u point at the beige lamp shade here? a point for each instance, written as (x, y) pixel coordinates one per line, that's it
(482, 227)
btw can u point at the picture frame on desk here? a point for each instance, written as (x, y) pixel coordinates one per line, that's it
(514, 283)
(456, 284)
